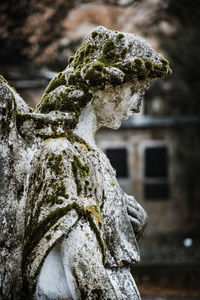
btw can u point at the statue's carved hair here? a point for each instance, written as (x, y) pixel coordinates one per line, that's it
(105, 56)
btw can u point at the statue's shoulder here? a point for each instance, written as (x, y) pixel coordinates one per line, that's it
(57, 145)
(62, 157)
(69, 146)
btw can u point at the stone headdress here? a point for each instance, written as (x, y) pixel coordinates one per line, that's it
(105, 56)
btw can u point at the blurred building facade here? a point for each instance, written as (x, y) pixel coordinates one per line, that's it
(143, 154)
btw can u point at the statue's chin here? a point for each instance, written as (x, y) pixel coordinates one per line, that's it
(114, 125)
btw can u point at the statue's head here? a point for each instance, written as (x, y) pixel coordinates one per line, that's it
(109, 66)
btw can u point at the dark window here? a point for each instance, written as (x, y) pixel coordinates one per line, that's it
(156, 190)
(156, 184)
(118, 159)
(156, 162)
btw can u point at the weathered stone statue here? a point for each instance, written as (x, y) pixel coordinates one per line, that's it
(68, 231)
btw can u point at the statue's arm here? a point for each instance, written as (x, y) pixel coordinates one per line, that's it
(82, 258)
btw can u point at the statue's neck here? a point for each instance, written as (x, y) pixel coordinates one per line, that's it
(87, 126)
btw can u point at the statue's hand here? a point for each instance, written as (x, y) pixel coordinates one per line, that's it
(137, 215)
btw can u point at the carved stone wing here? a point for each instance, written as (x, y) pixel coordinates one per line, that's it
(12, 174)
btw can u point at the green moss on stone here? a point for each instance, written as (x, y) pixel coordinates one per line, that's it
(120, 35)
(148, 64)
(109, 56)
(87, 72)
(97, 233)
(83, 55)
(58, 190)
(128, 69)
(123, 52)
(138, 61)
(99, 66)
(56, 82)
(3, 79)
(75, 138)
(61, 190)
(94, 34)
(87, 59)
(114, 79)
(72, 79)
(78, 60)
(64, 101)
(49, 199)
(108, 46)
(161, 70)
(36, 231)
(38, 123)
(103, 200)
(95, 212)
(70, 59)
(82, 267)
(95, 74)
(164, 61)
(140, 67)
(169, 72)
(80, 172)
(55, 163)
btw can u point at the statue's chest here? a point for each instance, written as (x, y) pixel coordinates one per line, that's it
(103, 177)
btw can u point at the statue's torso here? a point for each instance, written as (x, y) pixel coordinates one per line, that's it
(71, 181)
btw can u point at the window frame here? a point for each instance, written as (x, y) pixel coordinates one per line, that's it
(155, 180)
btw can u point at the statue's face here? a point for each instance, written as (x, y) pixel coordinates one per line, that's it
(119, 104)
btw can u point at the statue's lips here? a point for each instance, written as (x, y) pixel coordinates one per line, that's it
(135, 110)
(131, 112)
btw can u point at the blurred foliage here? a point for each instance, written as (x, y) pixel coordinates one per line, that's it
(180, 94)
(188, 174)
(12, 40)
(183, 49)
(30, 30)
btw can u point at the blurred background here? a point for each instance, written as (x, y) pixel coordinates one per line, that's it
(156, 153)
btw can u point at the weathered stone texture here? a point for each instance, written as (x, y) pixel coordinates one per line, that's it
(13, 167)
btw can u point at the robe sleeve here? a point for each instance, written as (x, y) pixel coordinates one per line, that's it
(82, 257)
(56, 201)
